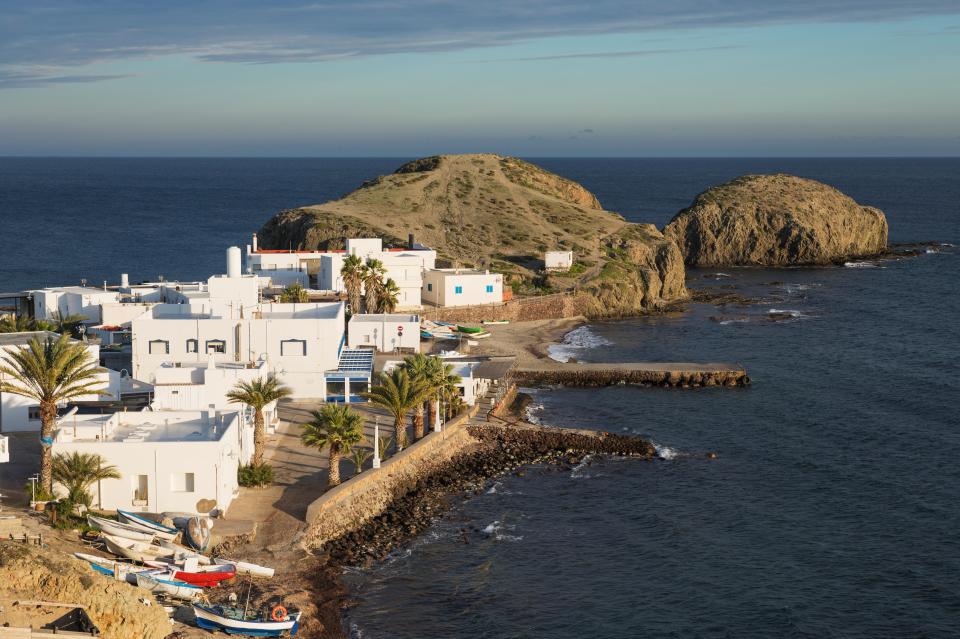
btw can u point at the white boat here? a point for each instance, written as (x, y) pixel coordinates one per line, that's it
(135, 550)
(180, 553)
(112, 568)
(246, 568)
(278, 622)
(162, 583)
(148, 525)
(118, 529)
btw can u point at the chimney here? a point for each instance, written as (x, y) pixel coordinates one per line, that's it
(255, 243)
(124, 280)
(410, 241)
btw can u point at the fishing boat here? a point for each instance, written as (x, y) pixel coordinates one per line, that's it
(111, 567)
(495, 322)
(278, 622)
(180, 553)
(164, 584)
(118, 529)
(138, 521)
(246, 568)
(203, 576)
(135, 550)
(470, 330)
(197, 533)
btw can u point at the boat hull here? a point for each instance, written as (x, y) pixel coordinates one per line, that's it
(118, 529)
(162, 532)
(171, 588)
(209, 620)
(135, 550)
(246, 568)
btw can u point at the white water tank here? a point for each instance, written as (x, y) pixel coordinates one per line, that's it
(124, 280)
(233, 261)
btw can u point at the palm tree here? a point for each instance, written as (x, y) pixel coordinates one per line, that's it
(66, 324)
(373, 284)
(398, 393)
(359, 457)
(354, 274)
(77, 471)
(389, 297)
(17, 324)
(340, 428)
(442, 380)
(257, 395)
(418, 367)
(50, 372)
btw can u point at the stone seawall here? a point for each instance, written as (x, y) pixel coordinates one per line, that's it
(612, 375)
(365, 496)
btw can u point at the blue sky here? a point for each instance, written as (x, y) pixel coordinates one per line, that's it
(535, 78)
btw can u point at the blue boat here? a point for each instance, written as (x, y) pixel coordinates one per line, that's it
(148, 525)
(279, 622)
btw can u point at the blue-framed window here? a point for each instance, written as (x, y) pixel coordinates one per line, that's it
(489, 288)
(458, 290)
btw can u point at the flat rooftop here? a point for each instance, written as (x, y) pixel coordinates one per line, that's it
(144, 427)
(385, 317)
(22, 339)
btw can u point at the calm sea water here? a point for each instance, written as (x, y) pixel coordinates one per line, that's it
(831, 511)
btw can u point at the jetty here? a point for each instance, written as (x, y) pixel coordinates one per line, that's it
(665, 374)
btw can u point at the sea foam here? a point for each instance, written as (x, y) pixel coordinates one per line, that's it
(576, 342)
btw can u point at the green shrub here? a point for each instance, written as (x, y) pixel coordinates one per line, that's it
(255, 475)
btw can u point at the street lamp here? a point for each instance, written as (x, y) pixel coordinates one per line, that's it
(376, 443)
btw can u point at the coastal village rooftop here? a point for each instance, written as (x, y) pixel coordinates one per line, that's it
(144, 426)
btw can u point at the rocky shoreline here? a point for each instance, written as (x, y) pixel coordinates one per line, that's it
(500, 450)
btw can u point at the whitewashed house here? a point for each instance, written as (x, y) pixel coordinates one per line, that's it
(461, 287)
(21, 414)
(558, 260)
(385, 332)
(168, 460)
(71, 300)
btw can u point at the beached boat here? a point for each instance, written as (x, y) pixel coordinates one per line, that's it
(197, 533)
(135, 550)
(203, 576)
(138, 521)
(495, 322)
(111, 567)
(246, 568)
(469, 329)
(180, 553)
(118, 529)
(163, 584)
(278, 622)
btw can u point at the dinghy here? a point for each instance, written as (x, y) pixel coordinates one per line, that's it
(181, 553)
(195, 575)
(135, 550)
(237, 621)
(197, 533)
(148, 525)
(163, 584)
(246, 568)
(111, 567)
(118, 529)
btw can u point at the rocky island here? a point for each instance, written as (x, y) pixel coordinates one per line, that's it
(501, 213)
(776, 220)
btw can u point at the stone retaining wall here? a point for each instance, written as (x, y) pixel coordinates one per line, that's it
(614, 376)
(555, 306)
(368, 494)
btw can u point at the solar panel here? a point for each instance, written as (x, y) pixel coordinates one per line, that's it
(355, 360)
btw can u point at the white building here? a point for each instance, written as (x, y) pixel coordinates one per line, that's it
(385, 332)
(71, 300)
(169, 461)
(321, 269)
(558, 260)
(193, 386)
(471, 386)
(20, 414)
(462, 287)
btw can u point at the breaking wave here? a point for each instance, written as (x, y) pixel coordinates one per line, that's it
(576, 342)
(665, 452)
(790, 312)
(860, 265)
(496, 529)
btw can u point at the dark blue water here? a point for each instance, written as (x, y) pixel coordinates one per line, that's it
(831, 511)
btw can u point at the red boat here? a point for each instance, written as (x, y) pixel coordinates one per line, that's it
(203, 576)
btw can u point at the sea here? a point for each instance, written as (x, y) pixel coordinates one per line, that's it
(831, 509)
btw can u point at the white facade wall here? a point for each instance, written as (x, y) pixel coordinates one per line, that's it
(178, 472)
(20, 414)
(457, 287)
(558, 260)
(121, 314)
(380, 332)
(72, 300)
(299, 341)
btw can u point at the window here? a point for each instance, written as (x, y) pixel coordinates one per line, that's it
(192, 346)
(216, 346)
(489, 288)
(33, 413)
(181, 482)
(293, 348)
(458, 290)
(429, 287)
(140, 492)
(158, 347)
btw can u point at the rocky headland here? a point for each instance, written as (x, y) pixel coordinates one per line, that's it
(501, 213)
(776, 220)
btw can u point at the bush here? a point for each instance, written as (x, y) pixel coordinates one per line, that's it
(255, 475)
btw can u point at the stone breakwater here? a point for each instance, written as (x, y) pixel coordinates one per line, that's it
(499, 450)
(613, 375)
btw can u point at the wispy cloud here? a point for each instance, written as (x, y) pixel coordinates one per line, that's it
(66, 34)
(20, 80)
(613, 54)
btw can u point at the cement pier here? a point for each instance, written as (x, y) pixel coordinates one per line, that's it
(668, 374)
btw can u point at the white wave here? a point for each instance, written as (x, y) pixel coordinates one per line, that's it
(575, 343)
(496, 529)
(860, 265)
(742, 320)
(790, 312)
(531, 414)
(493, 489)
(946, 244)
(577, 472)
(718, 276)
(356, 632)
(665, 452)
(930, 251)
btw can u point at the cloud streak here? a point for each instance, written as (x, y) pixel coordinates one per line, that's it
(614, 54)
(64, 34)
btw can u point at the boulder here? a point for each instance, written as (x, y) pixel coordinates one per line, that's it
(776, 220)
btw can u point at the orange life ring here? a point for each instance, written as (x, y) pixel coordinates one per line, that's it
(279, 613)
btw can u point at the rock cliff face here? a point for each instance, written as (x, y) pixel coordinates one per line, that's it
(500, 213)
(776, 220)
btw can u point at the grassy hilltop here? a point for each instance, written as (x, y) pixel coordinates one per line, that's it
(501, 213)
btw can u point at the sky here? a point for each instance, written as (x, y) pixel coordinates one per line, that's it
(537, 78)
